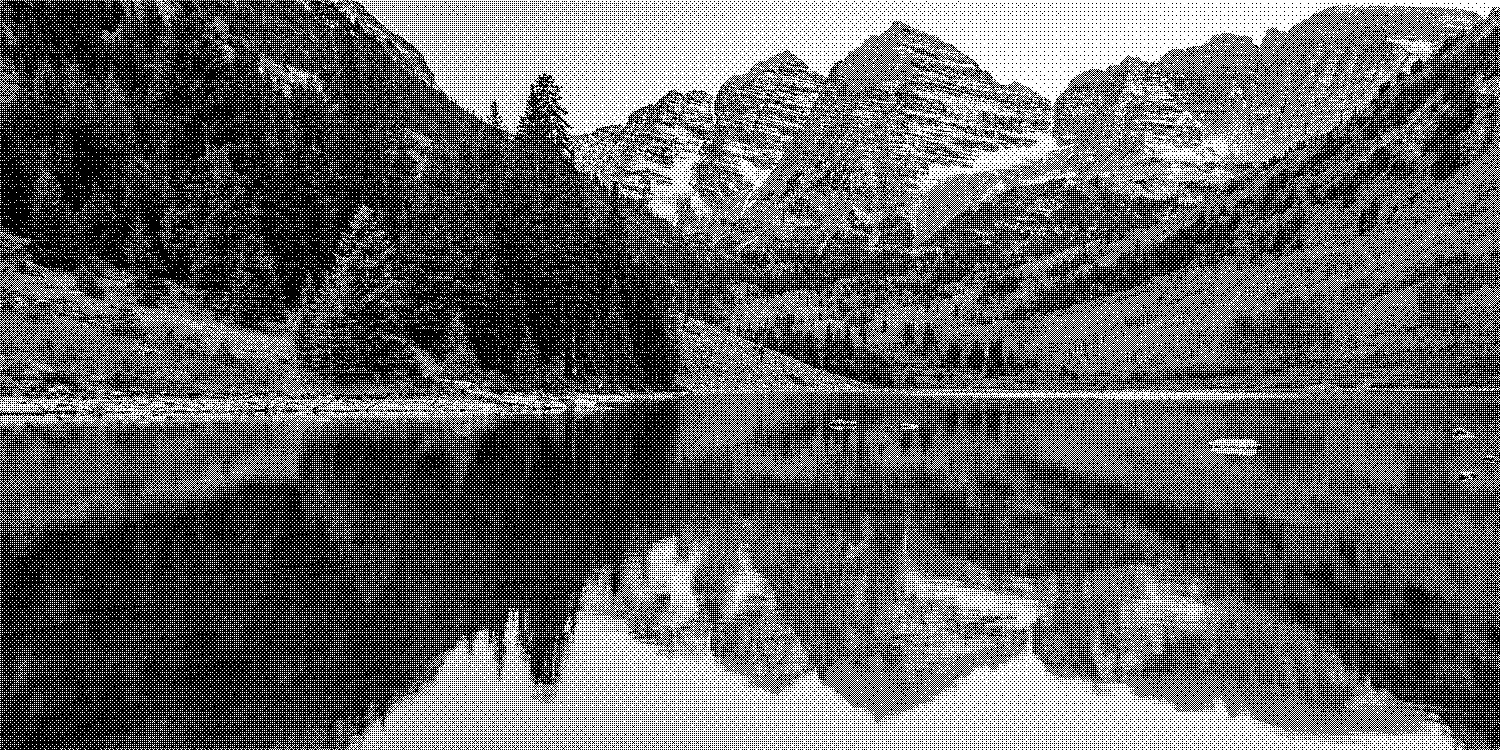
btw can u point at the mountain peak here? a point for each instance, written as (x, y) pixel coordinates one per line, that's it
(783, 60)
(885, 56)
(906, 34)
(1394, 17)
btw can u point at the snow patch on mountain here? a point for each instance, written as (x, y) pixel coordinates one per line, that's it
(680, 183)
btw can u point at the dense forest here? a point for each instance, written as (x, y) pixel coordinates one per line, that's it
(389, 233)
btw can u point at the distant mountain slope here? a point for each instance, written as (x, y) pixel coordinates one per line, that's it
(910, 156)
(1375, 245)
(899, 114)
(714, 360)
(1203, 115)
(332, 47)
(710, 152)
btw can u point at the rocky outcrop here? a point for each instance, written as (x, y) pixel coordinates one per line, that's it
(1202, 115)
(655, 153)
(1371, 247)
(689, 150)
(758, 114)
(901, 113)
(1246, 102)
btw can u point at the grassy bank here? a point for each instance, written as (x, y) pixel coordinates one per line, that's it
(65, 354)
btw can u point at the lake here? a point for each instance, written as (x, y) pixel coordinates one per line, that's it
(843, 571)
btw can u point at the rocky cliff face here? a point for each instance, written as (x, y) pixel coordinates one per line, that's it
(1202, 115)
(1231, 101)
(901, 113)
(689, 150)
(794, 159)
(337, 46)
(758, 115)
(654, 154)
(1372, 245)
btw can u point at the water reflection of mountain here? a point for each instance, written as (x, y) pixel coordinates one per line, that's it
(880, 614)
(1349, 539)
(323, 575)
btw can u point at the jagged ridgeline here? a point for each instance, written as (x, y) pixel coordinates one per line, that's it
(285, 162)
(909, 187)
(907, 133)
(1370, 248)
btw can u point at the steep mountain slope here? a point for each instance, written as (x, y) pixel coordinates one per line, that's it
(758, 113)
(653, 155)
(1246, 101)
(1202, 115)
(706, 153)
(910, 155)
(1371, 247)
(901, 113)
(329, 48)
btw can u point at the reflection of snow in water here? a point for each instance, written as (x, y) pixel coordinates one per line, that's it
(668, 577)
(971, 603)
(617, 692)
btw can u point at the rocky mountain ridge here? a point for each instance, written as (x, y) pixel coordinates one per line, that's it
(334, 48)
(900, 114)
(908, 133)
(1202, 115)
(1368, 248)
(707, 153)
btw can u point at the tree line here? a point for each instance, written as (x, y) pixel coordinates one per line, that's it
(387, 243)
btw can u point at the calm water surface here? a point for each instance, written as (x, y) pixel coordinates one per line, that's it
(747, 572)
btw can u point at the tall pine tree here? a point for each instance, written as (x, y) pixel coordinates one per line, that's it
(546, 206)
(351, 328)
(53, 226)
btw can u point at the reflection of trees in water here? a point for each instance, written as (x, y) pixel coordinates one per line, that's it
(1349, 527)
(325, 598)
(1132, 625)
(299, 612)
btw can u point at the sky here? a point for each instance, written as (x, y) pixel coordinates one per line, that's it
(612, 57)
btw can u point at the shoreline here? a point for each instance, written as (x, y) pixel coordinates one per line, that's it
(127, 408)
(64, 409)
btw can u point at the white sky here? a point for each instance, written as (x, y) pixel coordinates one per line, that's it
(614, 56)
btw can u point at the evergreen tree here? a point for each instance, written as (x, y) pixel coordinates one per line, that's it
(544, 221)
(149, 290)
(543, 145)
(253, 292)
(458, 353)
(953, 358)
(52, 226)
(351, 327)
(102, 232)
(138, 252)
(16, 181)
(976, 359)
(212, 219)
(654, 327)
(325, 340)
(998, 363)
(141, 258)
(297, 216)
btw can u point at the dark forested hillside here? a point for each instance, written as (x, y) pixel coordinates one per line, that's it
(292, 165)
